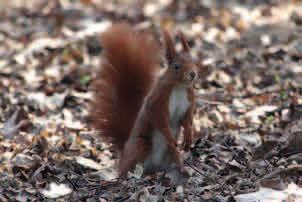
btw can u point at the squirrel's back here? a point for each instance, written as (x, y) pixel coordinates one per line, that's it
(130, 62)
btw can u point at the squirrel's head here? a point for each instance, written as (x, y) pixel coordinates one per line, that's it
(181, 66)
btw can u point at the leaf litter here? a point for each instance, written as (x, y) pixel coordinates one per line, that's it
(248, 121)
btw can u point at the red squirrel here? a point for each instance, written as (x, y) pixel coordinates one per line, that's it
(139, 106)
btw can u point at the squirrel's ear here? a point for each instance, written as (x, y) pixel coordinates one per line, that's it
(184, 41)
(170, 48)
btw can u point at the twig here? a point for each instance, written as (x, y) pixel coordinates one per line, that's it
(70, 182)
(282, 170)
(123, 199)
(198, 171)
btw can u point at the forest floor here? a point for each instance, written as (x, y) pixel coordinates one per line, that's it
(248, 122)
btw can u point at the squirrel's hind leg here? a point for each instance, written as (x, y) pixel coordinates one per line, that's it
(134, 152)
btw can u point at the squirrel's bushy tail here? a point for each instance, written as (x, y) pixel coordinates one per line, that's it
(130, 61)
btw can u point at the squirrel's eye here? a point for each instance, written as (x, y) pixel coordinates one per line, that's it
(176, 66)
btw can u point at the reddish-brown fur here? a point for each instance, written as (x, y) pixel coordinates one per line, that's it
(154, 114)
(126, 76)
(132, 103)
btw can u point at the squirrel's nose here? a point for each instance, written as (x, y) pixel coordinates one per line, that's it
(192, 74)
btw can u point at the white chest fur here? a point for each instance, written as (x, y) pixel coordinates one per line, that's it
(178, 105)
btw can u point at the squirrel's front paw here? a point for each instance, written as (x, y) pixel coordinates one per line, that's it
(187, 146)
(187, 143)
(172, 143)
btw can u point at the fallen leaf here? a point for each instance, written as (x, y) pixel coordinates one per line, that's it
(56, 190)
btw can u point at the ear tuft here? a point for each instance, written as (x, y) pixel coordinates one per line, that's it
(170, 48)
(184, 41)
